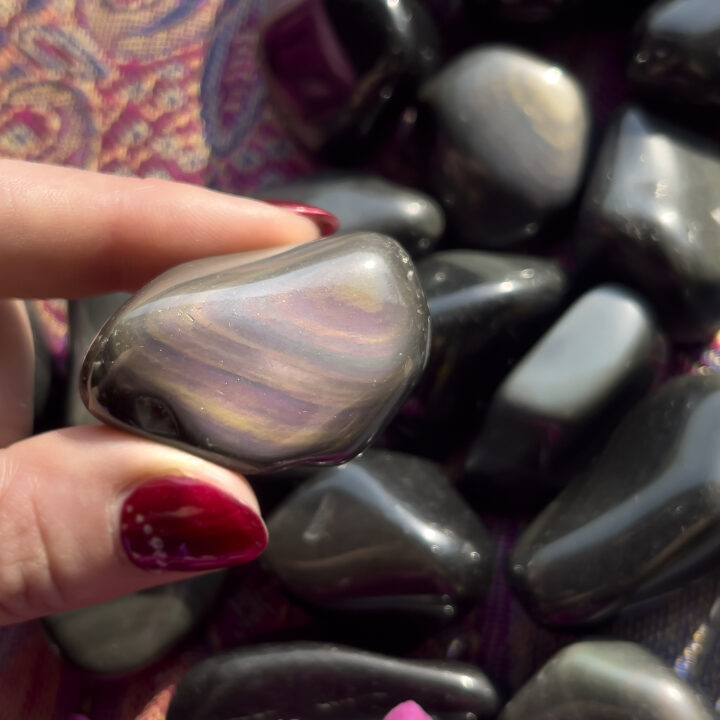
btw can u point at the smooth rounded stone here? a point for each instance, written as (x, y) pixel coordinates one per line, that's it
(651, 219)
(675, 53)
(131, 632)
(362, 201)
(604, 679)
(386, 532)
(597, 360)
(302, 357)
(641, 520)
(486, 309)
(311, 680)
(340, 72)
(508, 136)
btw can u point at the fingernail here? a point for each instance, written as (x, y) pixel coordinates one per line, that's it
(325, 221)
(178, 523)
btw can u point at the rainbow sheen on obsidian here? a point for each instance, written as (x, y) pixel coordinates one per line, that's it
(302, 357)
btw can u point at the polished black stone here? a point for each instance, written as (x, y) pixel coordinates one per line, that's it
(362, 201)
(131, 632)
(651, 219)
(597, 360)
(675, 53)
(642, 519)
(486, 310)
(309, 680)
(508, 134)
(339, 72)
(384, 533)
(604, 680)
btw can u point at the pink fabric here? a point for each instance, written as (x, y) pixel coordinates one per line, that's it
(409, 710)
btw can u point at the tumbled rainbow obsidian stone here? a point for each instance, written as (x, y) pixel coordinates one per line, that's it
(302, 357)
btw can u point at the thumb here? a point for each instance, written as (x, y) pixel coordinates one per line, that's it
(89, 513)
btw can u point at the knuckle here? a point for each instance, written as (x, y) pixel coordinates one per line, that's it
(29, 586)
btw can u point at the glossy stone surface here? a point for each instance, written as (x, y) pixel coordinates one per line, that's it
(594, 363)
(675, 53)
(300, 357)
(133, 631)
(362, 201)
(486, 308)
(604, 679)
(642, 519)
(86, 318)
(340, 71)
(509, 134)
(385, 532)
(331, 682)
(651, 219)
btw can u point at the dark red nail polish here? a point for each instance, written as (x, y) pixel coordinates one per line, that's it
(177, 523)
(326, 222)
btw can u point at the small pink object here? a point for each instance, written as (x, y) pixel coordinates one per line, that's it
(409, 710)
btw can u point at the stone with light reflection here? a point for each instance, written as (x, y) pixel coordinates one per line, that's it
(651, 219)
(509, 132)
(340, 72)
(330, 682)
(593, 364)
(487, 309)
(385, 533)
(363, 201)
(301, 357)
(639, 521)
(676, 51)
(603, 679)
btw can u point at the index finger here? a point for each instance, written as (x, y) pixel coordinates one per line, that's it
(71, 233)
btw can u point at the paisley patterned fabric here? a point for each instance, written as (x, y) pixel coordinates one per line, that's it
(171, 88)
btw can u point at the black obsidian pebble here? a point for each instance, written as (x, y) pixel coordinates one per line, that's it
(486, 309)
(596, 361)
(507, 134)
(362, 201)
(644, 517)
(651, 219)
(675, 54)
(130, 632)
(384, 533)
(309, 680)
(603, 679)
(340, 72)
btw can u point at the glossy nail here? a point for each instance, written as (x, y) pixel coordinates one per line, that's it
(178, 523)
(326, 222)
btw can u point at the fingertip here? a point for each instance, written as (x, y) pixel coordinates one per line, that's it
(90, 513)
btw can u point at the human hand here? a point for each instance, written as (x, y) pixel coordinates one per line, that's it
(78, 505)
